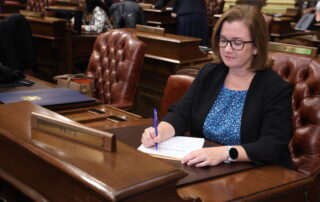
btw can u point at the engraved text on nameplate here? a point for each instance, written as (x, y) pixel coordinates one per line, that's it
(74, 132)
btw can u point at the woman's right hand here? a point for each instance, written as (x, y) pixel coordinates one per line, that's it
(165, 131)
(149, 137)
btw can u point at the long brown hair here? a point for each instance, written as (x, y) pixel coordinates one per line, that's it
(253, 18)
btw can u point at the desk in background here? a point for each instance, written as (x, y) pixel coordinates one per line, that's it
(281, 29)
(160, 18)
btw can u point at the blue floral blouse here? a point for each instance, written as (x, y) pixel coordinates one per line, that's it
(222, 124)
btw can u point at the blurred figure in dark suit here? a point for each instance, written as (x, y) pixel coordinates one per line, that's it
(16, 45)
(126, 14)
(191, 18)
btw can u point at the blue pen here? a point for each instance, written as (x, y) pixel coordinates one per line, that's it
(155, 124)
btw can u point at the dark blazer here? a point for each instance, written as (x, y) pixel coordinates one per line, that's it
(182, 7)
(266, 119)
(16, 45)
(126, 14)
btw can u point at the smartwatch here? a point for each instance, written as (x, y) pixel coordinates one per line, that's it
(232, 154)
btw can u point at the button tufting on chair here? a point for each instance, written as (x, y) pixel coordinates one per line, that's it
(116, 62)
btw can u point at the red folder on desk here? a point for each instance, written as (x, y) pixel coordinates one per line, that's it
(46, 97)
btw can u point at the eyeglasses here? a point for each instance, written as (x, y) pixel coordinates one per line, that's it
(235, 44)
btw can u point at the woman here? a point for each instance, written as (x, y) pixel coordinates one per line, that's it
(318, 12)
(191, 18)
(240, 103)
(99, 20)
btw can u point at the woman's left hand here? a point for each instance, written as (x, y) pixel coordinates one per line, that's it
(206, 157)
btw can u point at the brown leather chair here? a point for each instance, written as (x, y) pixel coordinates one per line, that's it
(176, 86)
(116, 63)
(303, 72)
(40, 6)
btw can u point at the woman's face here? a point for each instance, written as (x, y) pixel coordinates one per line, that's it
(238, 32)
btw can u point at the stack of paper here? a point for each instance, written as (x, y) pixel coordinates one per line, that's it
(174, 148)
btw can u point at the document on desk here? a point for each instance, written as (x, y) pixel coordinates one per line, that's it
(174, 148)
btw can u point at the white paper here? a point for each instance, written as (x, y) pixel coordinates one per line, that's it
(176, 147)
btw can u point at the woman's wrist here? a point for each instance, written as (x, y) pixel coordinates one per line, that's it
(166, 130)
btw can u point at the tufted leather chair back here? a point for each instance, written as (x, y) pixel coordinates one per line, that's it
(303, 72)
(116, 62)
(38, 5)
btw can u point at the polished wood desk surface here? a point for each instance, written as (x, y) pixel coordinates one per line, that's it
(166, 38)
(65, 8)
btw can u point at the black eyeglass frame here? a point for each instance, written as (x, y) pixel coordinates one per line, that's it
(230, 41)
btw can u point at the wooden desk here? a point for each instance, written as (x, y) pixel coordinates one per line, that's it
(79, 173)
(165, 54)
(160, 18)
(281, 28)
(45, 28)
(171, 48)
(47, 168)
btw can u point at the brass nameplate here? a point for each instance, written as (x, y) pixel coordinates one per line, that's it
(291, 49)
(34, 14)
(78, 133)
(150, 29)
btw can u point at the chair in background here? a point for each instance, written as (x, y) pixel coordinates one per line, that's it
(303, 72)
(116, 62)
(40, 6)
